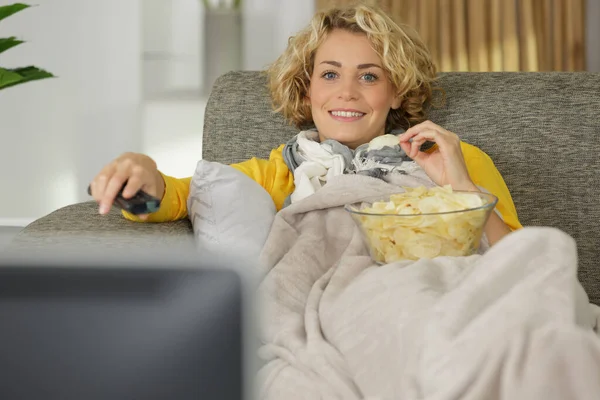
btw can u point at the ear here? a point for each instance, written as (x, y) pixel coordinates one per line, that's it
(306, 99)
(396, 102)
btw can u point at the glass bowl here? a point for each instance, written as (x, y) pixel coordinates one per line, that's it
(392, 237)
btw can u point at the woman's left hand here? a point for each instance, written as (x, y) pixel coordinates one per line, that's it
(445, 165)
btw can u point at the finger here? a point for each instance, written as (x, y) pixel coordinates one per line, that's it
(408, 147)
(407, 136)
(134, 184)
(419, 129)
(445, 140)
(420, 155)
(414, 149)
(114, 187)
(405, 146)
(98, 184)
(425, 125)
(143, 217)
(416, 144)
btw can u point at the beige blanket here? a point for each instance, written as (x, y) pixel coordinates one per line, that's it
(513, 323)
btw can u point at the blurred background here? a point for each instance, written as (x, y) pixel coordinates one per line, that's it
(134, 75)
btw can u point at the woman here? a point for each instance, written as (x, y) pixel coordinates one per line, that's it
(355, 75)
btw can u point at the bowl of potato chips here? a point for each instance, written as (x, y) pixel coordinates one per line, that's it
(423, 223)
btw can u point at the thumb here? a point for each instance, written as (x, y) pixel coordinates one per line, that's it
(405, 146)
(419, 158)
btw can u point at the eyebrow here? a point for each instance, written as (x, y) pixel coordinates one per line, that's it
(359, 66)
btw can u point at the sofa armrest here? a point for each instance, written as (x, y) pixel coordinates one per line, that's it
(81, 225)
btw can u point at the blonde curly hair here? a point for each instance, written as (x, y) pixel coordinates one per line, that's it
(406, 60)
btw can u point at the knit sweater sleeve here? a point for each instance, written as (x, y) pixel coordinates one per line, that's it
(484, 173)
(272, 174)
(173, 205)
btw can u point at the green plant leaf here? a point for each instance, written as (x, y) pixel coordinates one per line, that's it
(7, 43)
(9, 78)
(17, 76)
(7, 11)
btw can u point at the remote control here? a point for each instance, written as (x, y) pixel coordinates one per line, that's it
(141, 203)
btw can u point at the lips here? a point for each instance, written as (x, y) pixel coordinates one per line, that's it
(346, 115)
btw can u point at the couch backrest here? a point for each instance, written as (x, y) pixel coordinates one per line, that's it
(541, 129)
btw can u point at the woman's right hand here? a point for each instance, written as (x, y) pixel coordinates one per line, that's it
(140, 173)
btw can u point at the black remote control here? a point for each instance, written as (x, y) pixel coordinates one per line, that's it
(141, 203)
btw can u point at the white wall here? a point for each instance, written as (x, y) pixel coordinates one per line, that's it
(173, 116)
(56, 134)
(173, 45)
(171, 32)
(267, 26)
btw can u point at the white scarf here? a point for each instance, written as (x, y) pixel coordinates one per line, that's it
(321, 162)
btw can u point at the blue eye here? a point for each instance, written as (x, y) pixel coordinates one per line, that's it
(329, 75)
(370, 77)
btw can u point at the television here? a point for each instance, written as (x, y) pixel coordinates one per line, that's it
(151, 326)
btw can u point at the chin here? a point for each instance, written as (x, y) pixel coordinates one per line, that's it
(351, 141)
(344, 138)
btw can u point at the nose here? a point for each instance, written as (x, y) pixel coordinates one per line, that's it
(349, 90)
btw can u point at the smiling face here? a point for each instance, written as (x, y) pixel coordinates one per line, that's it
(349, 94)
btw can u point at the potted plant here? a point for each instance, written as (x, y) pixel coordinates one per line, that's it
(222, 39)
(17, 76)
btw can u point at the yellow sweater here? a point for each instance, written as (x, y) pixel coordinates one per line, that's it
(274, 175)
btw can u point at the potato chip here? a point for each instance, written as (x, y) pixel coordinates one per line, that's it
(400, 230)
(424, 246)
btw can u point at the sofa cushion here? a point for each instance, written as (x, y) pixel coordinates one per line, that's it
(80, 225)
(541, 130)
(229, 211)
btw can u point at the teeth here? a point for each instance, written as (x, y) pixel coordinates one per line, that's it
(347, 114)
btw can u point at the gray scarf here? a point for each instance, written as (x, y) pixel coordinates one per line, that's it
(390, 156)
(386, 155)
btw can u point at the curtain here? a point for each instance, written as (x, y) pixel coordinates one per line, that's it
(494, 35)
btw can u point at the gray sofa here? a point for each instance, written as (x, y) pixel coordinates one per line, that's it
(541, 129)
